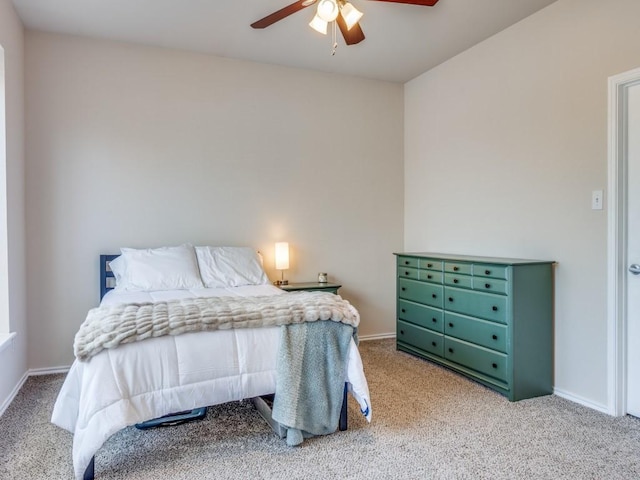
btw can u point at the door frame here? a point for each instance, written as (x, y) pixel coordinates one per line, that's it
(617, 241)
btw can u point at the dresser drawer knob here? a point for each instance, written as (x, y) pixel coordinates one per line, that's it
(434, 344)
(403, 289)
(487, 272)
(406, 273)
(455, 280)
(450, 350)
(455, 269)
(429, 265)
(451, 299)
(403, 310)
(406, 262)
(429, 277)
(494, 308)
(487, 285)
(494, 365)
(434, 295)
(434, 320)
(450, 325)
(495, 337)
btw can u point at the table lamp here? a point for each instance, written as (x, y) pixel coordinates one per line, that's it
(282, 261)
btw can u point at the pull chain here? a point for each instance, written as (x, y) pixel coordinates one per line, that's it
(335, 41)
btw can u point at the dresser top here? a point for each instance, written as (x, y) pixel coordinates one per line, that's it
(471, 258)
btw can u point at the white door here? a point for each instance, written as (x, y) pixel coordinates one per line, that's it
(633, 253)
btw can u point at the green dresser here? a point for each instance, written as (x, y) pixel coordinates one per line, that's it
(490, 319)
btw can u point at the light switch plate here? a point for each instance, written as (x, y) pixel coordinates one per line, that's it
(596, 200)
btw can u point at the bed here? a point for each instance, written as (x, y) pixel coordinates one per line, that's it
(152, 372)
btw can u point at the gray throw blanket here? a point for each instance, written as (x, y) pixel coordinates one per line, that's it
(311, 371)
(111, 325)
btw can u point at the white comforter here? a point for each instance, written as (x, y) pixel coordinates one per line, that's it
(155, 377)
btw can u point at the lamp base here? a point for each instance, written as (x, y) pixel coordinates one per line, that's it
(281, 282)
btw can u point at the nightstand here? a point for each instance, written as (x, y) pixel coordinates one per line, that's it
(311, 286)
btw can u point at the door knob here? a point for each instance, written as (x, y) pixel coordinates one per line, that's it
(634, 268)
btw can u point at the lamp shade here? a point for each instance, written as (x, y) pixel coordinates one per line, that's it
(328, 10)
(318, 24)
(282, 255)
(351, 15)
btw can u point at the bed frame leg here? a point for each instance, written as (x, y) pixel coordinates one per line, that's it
(88, 473)
(342, 426)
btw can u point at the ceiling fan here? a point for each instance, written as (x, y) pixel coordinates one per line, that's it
(341, 11)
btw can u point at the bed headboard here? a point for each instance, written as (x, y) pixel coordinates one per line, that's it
(107, 280)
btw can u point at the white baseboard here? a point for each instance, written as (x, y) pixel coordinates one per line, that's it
(381, 336)
(30, 373)
(34, 372)
(13, 393)
(581, 401)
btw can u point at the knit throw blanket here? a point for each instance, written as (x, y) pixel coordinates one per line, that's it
(111, 325)
(310, 375)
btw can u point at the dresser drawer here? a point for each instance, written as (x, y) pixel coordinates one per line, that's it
(492, 285)
(421, 338)
(422, 315)
(430, 264)
(488, 334)
(431, 276)
(408, 272)
(421, 292)
(459, 268)
(492, 271)
(408, 262)
(478, 304)
(477, 358)
(462, 281)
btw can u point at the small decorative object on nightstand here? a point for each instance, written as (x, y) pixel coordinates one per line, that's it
(322, 278)
(311, 286)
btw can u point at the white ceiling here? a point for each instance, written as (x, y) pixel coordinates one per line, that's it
(402, 41)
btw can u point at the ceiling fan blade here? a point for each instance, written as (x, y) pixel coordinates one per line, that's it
(424, 3)
(353, 36)
(282, 13)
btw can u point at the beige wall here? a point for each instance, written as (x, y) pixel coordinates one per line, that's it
(503, 146)
(137, 146)
(13, 359)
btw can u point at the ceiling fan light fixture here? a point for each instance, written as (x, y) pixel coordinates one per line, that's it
(318, 24)
(328, 10)
(350, 14)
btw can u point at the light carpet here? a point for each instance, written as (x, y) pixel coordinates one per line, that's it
(428, 423)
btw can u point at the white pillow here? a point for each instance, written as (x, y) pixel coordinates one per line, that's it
(230, 267)
(117, 266)
(152, 269)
